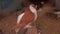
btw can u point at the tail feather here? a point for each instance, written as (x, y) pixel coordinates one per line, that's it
(18, 21)
(16, 30)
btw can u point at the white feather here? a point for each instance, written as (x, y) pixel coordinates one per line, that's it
(39, 33)
(18, 21)
(19, 18)
(56, 12)
(33, 10)
(16, 30)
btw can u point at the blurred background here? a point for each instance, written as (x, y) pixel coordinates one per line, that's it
(8, 6)
(48, 24)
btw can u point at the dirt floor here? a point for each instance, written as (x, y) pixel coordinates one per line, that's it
(49, 24)
(7, 22)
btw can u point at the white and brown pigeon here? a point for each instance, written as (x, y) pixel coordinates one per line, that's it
(28, 16)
